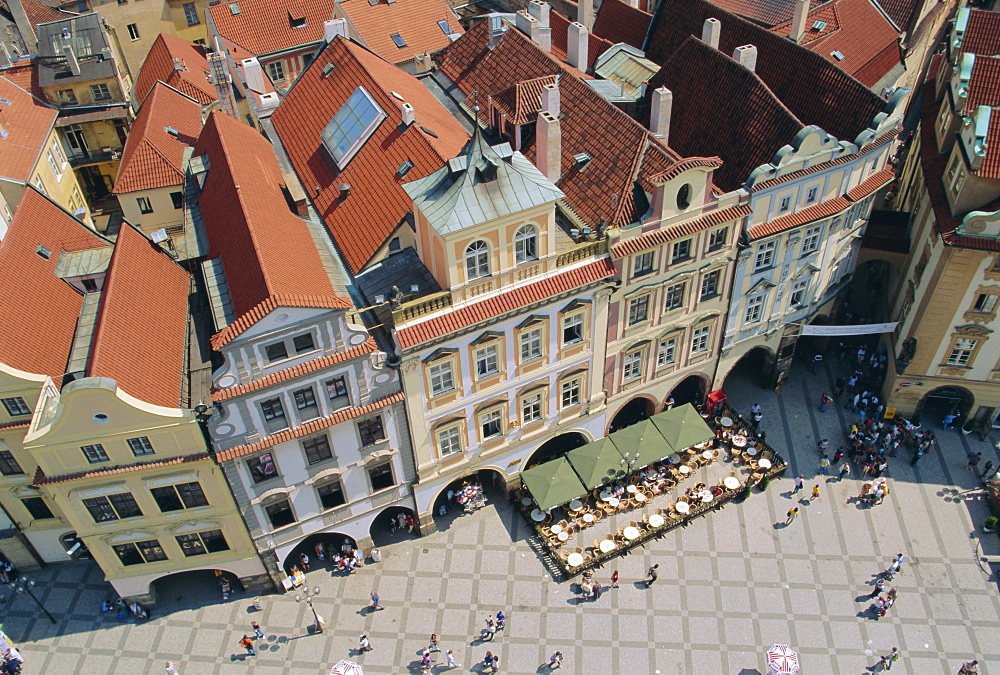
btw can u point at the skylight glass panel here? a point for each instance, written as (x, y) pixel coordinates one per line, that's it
(398, 39)
(353, 124)
(443, 25)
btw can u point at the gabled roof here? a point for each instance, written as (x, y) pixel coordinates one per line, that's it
(40, 310)
(984, 89)
(153, 157)
(266, 250)
(140, 340)
(28, 122)
(764, 12)
(25, 75)
(414, 21)
(191, 80)
(982, 33)
(361, 223)
(618, 21)
(266, 26)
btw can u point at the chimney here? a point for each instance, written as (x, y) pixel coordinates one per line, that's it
(424, 63)
(550, 99)
(540, 10)
(746, 56)
(253, 74)
(710, 31)
(548, 146)
(409, 114)
(220, 78)
(74, 65)
(496, 30)
(585, 13)
(799, 19)
(344, 190)
(576, 45)
(659, 114)
(332, 29)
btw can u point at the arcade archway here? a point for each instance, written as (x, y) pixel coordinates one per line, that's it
(556, 447)
(331, 541)
(692, 389)
(944, 401)
(756, 366)
(469, 493)
(635, 410)
(191, 589)
(388, 528)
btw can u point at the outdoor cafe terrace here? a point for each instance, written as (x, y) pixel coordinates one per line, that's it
(605, 498)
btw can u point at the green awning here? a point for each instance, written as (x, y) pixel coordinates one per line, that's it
(553, 483)
(683, 427)
(646, 440)
(597, 463)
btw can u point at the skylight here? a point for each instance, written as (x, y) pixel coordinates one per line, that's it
(443, 25)
(837, 55)
(398, 39)
(353, 124)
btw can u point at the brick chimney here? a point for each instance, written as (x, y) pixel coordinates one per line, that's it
(585, 13)
(548, 146)
(577, 42)
(332, 29)
(799, 20)
(710, 31)
(659, 115)
(746, 56)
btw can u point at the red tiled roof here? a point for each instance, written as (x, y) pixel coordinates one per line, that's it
(822, 210)
(560, 40)
(504, 302)
(618, 21)
(879, 66)
(377, 201)
(265, 26)
(42, 479)
(415, 21)
(984, 89)
(268, 255)
(41, 310)
(982, 33)
(25, 75)
(677, 168)
(140, 340)
(28, 122)
(870, 185)
(294, 372)
(40, 11)
(764, 12)
(152, 157)
(15, 425)
(309, 427)
(159, 65)
(901, 12)
(636, 244)
(521, 102)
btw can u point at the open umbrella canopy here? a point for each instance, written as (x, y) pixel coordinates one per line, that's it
(682, 427)
(643, 438)
(553, 483)
(346, 667)
(782, 660)
(597, 463)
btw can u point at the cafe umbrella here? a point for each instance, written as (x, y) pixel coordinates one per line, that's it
(346, 667)
(781, 660)
(553, 483)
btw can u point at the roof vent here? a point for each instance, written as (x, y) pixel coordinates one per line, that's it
(405, 168)
(43, 252)
(173, 132)
(234, 9)
(345, 190)
(328, 68)
(819, 25)
(837, 55)
(397, 95)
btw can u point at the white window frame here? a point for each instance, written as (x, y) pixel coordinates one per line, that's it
(530, 344)
(666, 352)
(570, 392)
(531, 407)
(449, 440)
(638, 310)
(810, 239)
(632, 365)
(441, 377)
(487, 360)
(491, 417)
(699, 339)
(962, 351)
(797, 298)
(986, 303)
(755, 308)
(764, 257)
(785, 204)
(477, 260)
(643, 264)
(526, 243)
(276, 71)
(811, 194)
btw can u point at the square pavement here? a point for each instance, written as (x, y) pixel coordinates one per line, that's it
(731, 585)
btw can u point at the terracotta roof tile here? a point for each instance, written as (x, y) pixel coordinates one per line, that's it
(984, 89)
(870, 185)
(15, 425)
(294, 372)
(618, 21)
(982, 33)
(521, 102)
(309, 427)
(677, 168)
(152, 157)
(764, 12)
(265, 26)
(376, 198)
(255, 314)
(560, 38)
(25, 75)
(159, 65)
(504, 302)
(415, 21)
(139, 343)
(42, 479)
(40, 11)
(640, 243)
(808, 215)
(28, 121)
(32, 340)
(902, 12)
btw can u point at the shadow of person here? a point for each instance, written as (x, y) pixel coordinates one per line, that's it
(781, 526)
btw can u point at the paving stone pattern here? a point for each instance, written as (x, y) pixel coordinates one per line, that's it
(730, 585)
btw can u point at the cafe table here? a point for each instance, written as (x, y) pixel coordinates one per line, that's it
(614, 501)
(538, 516)
(575, 505)
(682, 507)
(706, 496)
(726, 422)
(631, 489)
(562, 536)
(764, 463)
(739, 441)
(684, 469)
(751, 451)
(526, 501)
(640, 497)
(630, 533)
(574, 559)
(556, 529)
(605, 495)
(656, 520)
(731, 482)
(606, 546)
(588, 517)
(708, 454)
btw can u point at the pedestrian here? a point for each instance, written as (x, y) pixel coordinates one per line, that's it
(879, 587)
(492, 662)
(948, 419)
(171, 668)
(815, 492)
(449, 657)
(653, 573)
(845, 469)
(825, 400)
(890, 658)
(304, 560)
(792, 514)
(257, 630)
(375, 601)
(973, 461)
(969, 668)
(364, 644)
(614, 579)
(817, 362)
(501, 620)
(555, 661)
(986, 470)
(247, 643)
(669, 404)
(823, 445)
(426, 661)
(824, 464)
(799, 480)
(899, 562)
(838, 455)
(491, 630)
(433, 647)
(597, 590)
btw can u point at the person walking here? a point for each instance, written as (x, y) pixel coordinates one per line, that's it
(597, 590)
(257, 630)
(969, 668)
(824, 465)
(501, 620)
(890, 658)
(555, 661)
(614, 579)
(449, 660)
(653, 573)
(792, 515)
(433, 647)
(823, 445)
(375, 601)
(986, 471)
(799, 481)
(879, 587)
(364, 644)
(171, 668)
(492, 662)
(824, 401)
(815, 492)
(845, 469)
(899, 562)
(247, 644)
(426, 661)
(491, 630)
(817, 362)
(974, 461)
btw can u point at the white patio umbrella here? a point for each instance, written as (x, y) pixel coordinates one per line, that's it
(346, 667)
(782, 660)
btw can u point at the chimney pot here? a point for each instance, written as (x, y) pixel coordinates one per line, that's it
(578, 43)
(409, 114)
(710, 32)
(746, 56)
(661, 107)
(540, 10)
(333, 28)
(799, 20)
(550, 99)
(585, 13)
(345, 190)
(548, 146)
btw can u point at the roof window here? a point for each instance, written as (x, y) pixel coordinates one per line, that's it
(837, 55)
(234, 9)
(445, 28)
(405, 168)
(398, 39)
(353, 124)
(296, 22)
(819, 25)
(43, 252)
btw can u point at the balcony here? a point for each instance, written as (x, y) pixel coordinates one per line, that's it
(79, 159)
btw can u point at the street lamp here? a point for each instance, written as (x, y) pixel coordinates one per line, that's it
(308, 594)
(629, 460)
(24, 585)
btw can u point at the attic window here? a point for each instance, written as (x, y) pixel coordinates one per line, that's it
(43, 252)
(819, 25)
(234, 9)
(445, 28)
(837, 55)
(353, 124)
(173, 132)
(398, 39)
(296, 22)
(405, 168)
(327, 69)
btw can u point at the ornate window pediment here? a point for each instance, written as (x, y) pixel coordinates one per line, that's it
(972, 330)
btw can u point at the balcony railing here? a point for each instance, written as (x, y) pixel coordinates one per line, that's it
(86, 158)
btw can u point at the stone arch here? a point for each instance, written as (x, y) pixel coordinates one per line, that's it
(330, 540)
(692, 389)
(384, 528)
(757, 365)
(941, 401)
(557, 446)
(634, 410)
(490, 478)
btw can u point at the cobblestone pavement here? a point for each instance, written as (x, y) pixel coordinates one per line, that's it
(730, 586)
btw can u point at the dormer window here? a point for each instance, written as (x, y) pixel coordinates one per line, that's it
(351, 127)
(477, 260)
(443, 25)
(296, 22)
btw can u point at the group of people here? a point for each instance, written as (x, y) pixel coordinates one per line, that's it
(124, 609)
(470, 497)
(347, 559)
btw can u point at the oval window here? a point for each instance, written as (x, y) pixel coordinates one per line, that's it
(100, 418)
(684, 196)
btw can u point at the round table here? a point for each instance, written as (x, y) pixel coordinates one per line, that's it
(739, 441)
(764, 463)
(575, 505)
(614, 501)
(630, 533)
(526, 501)
(706, 496)
(682, 507)
(731, 482)
(726, 422)
(708, 454)
(751, 451)
(605, 495)
(556, 529)
(538, 516)
(640, 497)
(574, 559)
(588, 517)
(562, 536)
(684, 469)
(631, 489)
(656, 520)
(607, 546)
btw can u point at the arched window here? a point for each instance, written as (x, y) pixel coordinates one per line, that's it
(526, 243)
(477, 260)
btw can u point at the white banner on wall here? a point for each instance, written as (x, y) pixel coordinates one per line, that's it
(862, 329)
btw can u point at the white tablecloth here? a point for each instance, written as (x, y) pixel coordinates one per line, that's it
(574, 560)
(731, 482)
(685, 469)
(639, 497)
(556, 529)
(588, 517)
(537, 516)
(708, 454)
(656, 520)
(682, 507)
(631, 488)
(575, 505)
(630, 533)
(764, 463)
(607, 545)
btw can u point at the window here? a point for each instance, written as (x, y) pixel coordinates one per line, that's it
(40, 185)
(37, 507)
(985, 303)
(798, 297)
(67, 96)
(682, 251)
(811, 195)
(486, 361)
(113, 507)
(710, 285)
(94, 453)
(531, 344)
(305, 400)
(490, 424)
(699, 341)
(633, 365)
(9, 465)
(441, 378)
(353, 124)
(765, 255)
(526, 243)
(570, 393)
(394, 243)
(276, 71)
(717, 238)
(810, 242)
(785, 204)
(643, 264)
(755, 307)
(140, 446)
(201, 543)
(477, 260)
(531, 408)
(179, 497)
(100, 92)
(449, 441)
(52, 165)
(961, 352)
(381, 476)
(675, 297)
(684, 196)
(279, 512)
(572, 328)
(15, 405)
(317, 449)
(276, 352)
(303, 343)
(133, 31)
(398, 40)
(443, 25)
(331, 494)
(191, 14)
(666, 352)
(273, 411)
(58, 153)
(262, 468)
(337, 387)
(178, 199)
(140, 552)
(638, 310)
(144, 205)
(371, 431)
